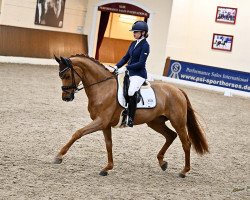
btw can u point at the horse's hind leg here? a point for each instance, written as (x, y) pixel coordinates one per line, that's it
(186, 145)
(159, 126)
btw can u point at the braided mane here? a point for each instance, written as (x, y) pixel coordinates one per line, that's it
(88, 57)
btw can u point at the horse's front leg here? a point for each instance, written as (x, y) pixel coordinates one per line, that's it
(108, 140)
(95, 125)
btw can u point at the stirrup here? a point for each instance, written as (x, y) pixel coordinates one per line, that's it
(127, 121)
(130, 122)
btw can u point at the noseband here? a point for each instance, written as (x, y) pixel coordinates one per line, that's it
(67, 62)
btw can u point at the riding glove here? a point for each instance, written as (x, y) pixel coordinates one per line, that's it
(121, 70)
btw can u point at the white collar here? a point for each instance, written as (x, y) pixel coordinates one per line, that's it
(137, 41)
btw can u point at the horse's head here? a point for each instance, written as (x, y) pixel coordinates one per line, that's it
(70, 76)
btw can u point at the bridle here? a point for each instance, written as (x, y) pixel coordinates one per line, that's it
(73, 85)
(67, 62)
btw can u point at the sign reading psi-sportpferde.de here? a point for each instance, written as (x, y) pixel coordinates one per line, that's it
(232, 79)
(124, 8)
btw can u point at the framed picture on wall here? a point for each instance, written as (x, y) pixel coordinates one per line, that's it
(226, 15)
(50, 13)
(222, 42)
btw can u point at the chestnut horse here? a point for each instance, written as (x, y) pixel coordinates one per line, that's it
(101, 89)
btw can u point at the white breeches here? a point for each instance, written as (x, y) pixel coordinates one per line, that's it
(135, 84)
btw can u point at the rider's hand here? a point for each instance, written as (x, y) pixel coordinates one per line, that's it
(110, 68)
(121, 70)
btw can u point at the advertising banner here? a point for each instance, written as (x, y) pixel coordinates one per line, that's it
(232, 79)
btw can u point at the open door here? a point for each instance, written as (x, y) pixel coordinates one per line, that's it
(114, 37)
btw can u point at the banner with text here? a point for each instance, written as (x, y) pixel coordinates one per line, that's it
(209, 75)
(124, 8)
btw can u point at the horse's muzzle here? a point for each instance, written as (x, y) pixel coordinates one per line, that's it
(68, 97)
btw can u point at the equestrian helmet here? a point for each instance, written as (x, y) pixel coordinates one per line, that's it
(139, 26)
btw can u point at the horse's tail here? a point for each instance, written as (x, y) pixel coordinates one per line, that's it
(195, 132)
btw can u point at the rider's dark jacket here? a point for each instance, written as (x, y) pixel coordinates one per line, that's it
(136, 58)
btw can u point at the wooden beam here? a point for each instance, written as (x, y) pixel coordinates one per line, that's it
(167, 65)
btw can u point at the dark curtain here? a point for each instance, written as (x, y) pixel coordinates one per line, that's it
(102, 28)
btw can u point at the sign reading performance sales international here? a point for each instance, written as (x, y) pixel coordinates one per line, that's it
(210, 75)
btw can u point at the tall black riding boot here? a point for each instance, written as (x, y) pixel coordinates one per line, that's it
(132, 104)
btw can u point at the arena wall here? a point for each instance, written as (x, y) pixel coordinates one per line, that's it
(180, 29)
(158, 22)
(21, 37)
(82, 18)
(191, 30)
(22, 14)
(36, 43)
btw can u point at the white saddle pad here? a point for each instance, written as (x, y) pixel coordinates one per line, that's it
(147, 93)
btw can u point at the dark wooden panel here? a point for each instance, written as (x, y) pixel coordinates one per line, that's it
(15, 41)
(112, 50)
(166, 67)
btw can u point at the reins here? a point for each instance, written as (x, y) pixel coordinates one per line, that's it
(113, 76)
(68, 63)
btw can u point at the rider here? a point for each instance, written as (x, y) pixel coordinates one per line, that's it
(136, 58)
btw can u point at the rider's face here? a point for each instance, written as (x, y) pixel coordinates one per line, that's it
(137, 34)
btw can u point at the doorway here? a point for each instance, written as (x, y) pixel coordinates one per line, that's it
(114, 36)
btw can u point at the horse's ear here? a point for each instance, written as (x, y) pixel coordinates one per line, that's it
(57, 59)
(64, 61)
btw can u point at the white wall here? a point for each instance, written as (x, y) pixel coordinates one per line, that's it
(22, 14)
(191, 29)
(158, 28)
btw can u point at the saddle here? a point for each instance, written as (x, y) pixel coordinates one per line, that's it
(145, 96)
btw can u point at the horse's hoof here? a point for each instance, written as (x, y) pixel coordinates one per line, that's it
(164, 166)
(57, 161)
(103, 173)
(182, 175)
